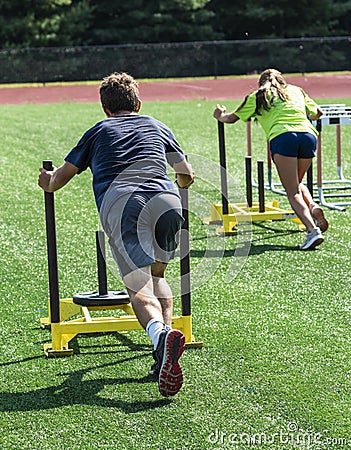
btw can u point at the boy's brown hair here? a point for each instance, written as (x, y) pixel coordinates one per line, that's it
(119, 92)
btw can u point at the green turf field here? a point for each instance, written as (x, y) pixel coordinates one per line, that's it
(274, 371)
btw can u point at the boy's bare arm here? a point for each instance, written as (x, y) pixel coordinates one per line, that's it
(53, 180)
(184, 174)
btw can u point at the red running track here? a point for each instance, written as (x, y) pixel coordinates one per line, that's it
(317, 86)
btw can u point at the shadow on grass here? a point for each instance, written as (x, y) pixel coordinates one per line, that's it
(249, 247)
(254, 250)
(77, 391)
(258, 249)
(78, 346)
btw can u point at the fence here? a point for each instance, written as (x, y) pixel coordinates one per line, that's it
(166, 60)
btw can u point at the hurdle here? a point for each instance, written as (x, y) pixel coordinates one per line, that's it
(231, 214)
(69, 317)
(339, 188)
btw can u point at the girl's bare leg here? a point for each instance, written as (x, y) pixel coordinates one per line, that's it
(291, 171)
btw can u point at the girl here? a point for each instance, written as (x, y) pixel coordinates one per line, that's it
(285, 113)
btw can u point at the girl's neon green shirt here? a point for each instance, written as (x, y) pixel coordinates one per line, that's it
(282, 117)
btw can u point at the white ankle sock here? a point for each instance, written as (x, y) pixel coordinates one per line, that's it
(154, 328)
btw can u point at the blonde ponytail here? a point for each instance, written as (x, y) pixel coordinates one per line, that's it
(271, 84)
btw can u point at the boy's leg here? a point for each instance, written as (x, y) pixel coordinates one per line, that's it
(131, 240)
(162, 291)
(168, 344)
(146, 306)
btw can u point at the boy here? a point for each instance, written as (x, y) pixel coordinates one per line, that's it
(139, 208)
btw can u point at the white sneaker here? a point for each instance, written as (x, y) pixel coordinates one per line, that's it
(313, 239)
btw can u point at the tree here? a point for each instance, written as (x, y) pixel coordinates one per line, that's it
(142, 21)
(35, 23)
(254, 19)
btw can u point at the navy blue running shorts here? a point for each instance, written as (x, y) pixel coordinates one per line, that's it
(295, 145)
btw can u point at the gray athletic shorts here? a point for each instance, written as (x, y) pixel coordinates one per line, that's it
(142, 228)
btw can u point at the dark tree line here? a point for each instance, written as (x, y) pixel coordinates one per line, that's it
(41, 23)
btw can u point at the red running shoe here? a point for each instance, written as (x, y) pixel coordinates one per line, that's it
(169, 349)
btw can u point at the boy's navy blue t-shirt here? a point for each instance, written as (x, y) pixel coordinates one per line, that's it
(127, 153)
